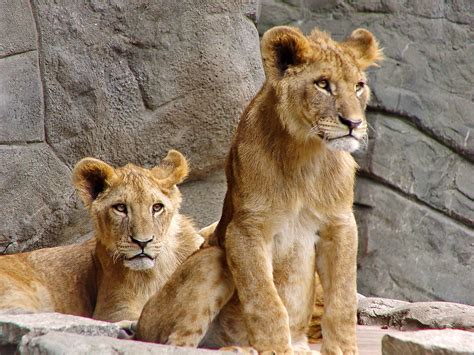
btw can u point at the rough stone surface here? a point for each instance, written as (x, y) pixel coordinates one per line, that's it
(422, 255)
(60, 343)
(432, 342)
(120, 81)
(14, 326)
(21, 116)
(375, 311)
(36, 192)
(204, 198)
(17, 28)
(417, 231)
(137, 78)
(413, 316)
(422, 167)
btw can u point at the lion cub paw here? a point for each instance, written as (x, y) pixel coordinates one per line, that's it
(128, 329)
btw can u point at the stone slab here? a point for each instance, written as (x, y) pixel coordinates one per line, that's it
(432, 342)
(375, 310)
(421, 167)
(39, 206)
(409, 251)
(60, 343)
(17, 28)
(21, 101)
(413, 316)
(14, 326)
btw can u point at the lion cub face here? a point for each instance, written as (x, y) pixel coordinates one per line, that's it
(321, 84)
(133, 208)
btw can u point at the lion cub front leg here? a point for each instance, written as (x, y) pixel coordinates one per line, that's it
(336, 266)
(265, 315)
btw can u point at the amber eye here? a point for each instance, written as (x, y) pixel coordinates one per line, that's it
(323, 84)
(120, 207)
(158, 207)
(359, 86)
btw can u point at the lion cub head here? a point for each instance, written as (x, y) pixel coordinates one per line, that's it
(134, 209)
(320, 84)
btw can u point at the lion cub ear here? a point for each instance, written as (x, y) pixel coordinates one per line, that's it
(172, 170)
(282, 47)
(91, 177)
(364, 47)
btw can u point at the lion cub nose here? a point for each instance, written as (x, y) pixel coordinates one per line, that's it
(352, 124)
(141, 243)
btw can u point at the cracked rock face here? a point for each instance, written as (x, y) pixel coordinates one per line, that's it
(415, 202)
(119, 81)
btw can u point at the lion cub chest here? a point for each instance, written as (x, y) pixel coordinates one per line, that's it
(293, 260)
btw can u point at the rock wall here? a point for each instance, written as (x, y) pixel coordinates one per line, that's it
(415, 194)
(123, 81)
(126, 81)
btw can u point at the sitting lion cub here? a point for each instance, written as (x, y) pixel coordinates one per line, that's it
(140, 239)
(287, 211)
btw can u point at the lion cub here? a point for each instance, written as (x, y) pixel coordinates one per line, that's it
(287, 211)
(140, 239)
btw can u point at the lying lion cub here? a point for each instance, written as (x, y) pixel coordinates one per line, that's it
(287, 211)
(140, 239)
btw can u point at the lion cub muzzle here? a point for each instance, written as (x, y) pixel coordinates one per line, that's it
(142, 260)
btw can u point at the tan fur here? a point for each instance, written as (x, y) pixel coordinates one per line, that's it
(95, 279)
(287, 212)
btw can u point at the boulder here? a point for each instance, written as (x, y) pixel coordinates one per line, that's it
(410, 251)
(432, 342)
(61, 343)
(413, 316)
(376, 311)
(14, 326)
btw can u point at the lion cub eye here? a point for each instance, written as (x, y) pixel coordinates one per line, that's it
(120, 207)
(323, 84)
(158, 207)
(359, 87)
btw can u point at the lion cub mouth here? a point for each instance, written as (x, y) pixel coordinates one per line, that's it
(140, 261)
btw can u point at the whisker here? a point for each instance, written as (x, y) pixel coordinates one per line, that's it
(370, 126)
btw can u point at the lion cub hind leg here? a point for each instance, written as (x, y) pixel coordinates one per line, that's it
(182, 311)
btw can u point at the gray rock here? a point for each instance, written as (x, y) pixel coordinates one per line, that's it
(413, 316)
(409, 251)
(432, 342)
(36, 192)
(21, 102)
(422, 167)
(17, 28)
(432, 315)
(135, 80)
(60, 343)
(204, 198)
(376, 311)
(14, 326)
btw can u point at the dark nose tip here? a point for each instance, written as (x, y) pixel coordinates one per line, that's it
(141, 243)
(350, 123)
